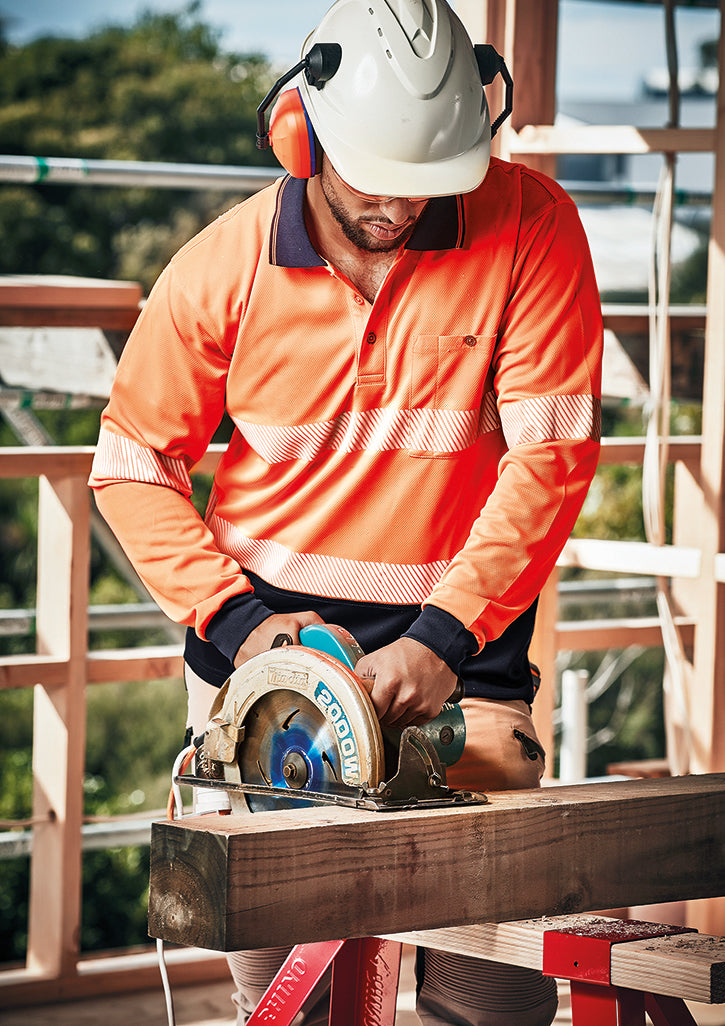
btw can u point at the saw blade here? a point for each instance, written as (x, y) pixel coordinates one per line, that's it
(303, 721)
(288, 742)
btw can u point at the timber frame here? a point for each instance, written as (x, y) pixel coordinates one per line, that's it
(62, 669)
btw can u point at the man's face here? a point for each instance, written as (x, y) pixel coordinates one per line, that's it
(375, 224)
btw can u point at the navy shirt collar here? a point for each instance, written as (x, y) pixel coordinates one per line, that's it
(441, 226)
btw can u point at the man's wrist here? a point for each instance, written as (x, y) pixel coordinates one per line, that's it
(443, 634)
(232, 624)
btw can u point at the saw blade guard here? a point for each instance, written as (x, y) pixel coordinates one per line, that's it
(294, 718)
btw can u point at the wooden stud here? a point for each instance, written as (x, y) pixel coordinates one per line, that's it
(59, 728)
(707, 694)
(543, 650)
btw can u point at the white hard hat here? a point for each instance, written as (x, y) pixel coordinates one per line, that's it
(405, 113)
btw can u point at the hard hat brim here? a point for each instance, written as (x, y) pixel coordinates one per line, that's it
(376, 176)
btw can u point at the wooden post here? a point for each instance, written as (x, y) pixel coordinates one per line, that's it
(707, 699)
(700, 520)
(485, 22)
(543, 653)
(530, 51)
(525, 34)
(59, 728)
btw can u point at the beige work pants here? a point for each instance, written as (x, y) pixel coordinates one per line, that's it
(453, 990)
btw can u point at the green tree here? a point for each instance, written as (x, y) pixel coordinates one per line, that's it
(161, 90)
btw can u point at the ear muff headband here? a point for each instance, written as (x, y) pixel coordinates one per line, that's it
(293, 138)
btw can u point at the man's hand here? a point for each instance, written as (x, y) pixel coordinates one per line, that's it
(410, 682)
(261, 638)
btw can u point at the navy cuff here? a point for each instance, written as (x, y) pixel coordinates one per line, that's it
(231, 625)
(444, 635)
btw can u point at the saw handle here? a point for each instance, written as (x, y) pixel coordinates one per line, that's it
(338, 642)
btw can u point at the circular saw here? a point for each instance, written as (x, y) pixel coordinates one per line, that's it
(296, 726)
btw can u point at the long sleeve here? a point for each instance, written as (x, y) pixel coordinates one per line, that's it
(547, 382)
(167, 401)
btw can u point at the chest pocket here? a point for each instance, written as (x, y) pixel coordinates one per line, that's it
(449, 377)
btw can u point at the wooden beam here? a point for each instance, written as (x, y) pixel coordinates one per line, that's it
(633, 318)
(228, 882)
(631, 450)
(631, 557)
(546, 139)
(38, 300)
(115, 974)
(688, 965)
(595, 635)
(23, 671)
(108, 319)
(72, 460)
(50, 460)
(157, 662)
(104, 666)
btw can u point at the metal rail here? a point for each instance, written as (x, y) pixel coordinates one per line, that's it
(226, 177)
(120, 832)
(77, 171)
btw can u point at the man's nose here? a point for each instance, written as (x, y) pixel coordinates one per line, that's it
(399, 209)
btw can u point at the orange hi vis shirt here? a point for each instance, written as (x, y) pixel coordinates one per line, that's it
(431, 449)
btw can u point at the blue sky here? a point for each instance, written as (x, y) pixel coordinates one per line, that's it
(604, 48)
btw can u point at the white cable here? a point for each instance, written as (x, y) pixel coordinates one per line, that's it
(175, 788)
(171, 1018)
(178, 810)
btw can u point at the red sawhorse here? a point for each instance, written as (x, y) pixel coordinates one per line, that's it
(364, 985)
(365, 976)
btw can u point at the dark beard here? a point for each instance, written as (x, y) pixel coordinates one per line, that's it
(353, 230)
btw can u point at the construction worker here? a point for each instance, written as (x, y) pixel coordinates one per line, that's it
(406, 334)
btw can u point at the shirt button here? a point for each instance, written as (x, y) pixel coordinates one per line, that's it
(371, 337)
(470, 340)
(359, 300)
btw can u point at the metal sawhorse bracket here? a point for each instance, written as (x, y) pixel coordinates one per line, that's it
(583, 956)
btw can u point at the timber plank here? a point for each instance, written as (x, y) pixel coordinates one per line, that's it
(688, 965)
(228, 882)
(610, 139)
(53, 461)
(36, 300)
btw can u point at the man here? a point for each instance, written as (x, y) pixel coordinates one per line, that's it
(408, 342)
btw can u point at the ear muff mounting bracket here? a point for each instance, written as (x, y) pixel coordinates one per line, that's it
(319, 65)
(491, 63)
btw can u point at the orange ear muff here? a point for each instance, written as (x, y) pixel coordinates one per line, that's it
(293, 138)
